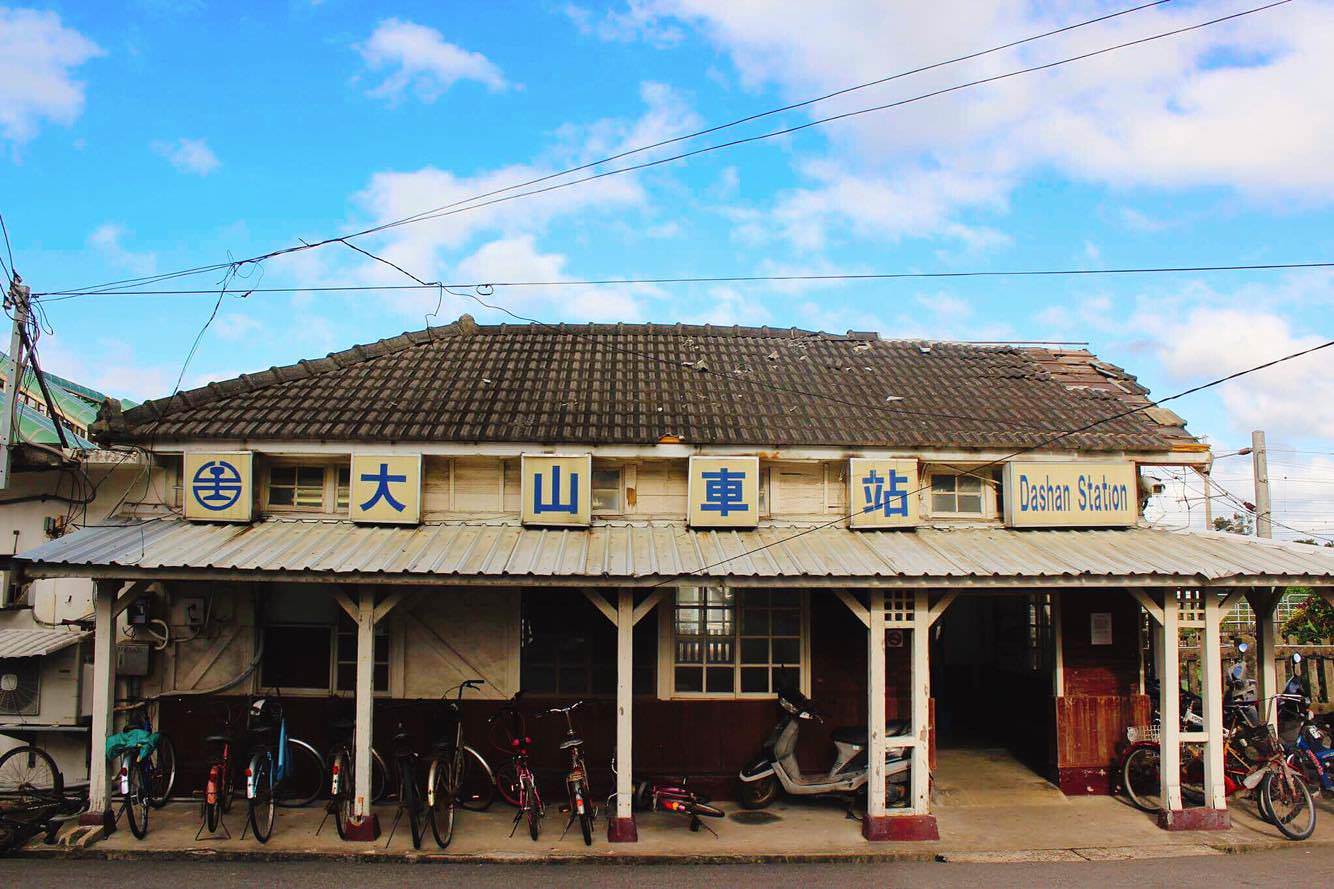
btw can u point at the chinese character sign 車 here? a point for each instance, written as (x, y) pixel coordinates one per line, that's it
(724, 492)
(217, 487)
(882, 493)
(385, 488)
(556, 491)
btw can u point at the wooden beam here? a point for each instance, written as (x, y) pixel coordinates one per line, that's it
(1146, 602)
(859, 611)
(625, 666)
(345, 602)
(1211, 693)
(601, 604)
(130, 594)
(654, 598)
(365, 699)
(940, 607)
(104, 694)
(392, 601)
(875, 706)
(921, 708)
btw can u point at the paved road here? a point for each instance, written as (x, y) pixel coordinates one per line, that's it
(1297, 866)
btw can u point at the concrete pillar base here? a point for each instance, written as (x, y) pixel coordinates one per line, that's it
(1195, 819)
(362, 830)
(887, 828)
(622, 830)
(105, 820)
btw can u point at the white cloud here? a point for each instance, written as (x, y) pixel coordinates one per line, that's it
(639, 21)
(107, 239)
(110, 366)
(236, 326)
(38, 56)
(188, 155)
(728, 306)
(420, 60)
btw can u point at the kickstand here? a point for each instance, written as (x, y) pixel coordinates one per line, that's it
(696, 824)
(222, 831)
(851, 812)
(398, 813)
(518, 816)
(328, 810)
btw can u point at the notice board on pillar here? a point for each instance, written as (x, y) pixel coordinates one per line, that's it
(1071, 495)
(218, 486)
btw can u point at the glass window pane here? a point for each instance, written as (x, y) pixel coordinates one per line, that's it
(942, 503)
(689, 595)
(755, 679)
(720, 679)
(786, 598)
(606, 478)
(296, 657)
(719, 651)
(689, 679)
(718, 622)
(607, 500)
(787, 651)
(754, 651)
(943, 484)
(970, 503)
(787, 622)
(688, 622)
(754, 622)
(310, 475)
(720, 596)
(969, 484)
(282, 475)
(689, 651)
(789, 677)
(281, 496)
(752, 598)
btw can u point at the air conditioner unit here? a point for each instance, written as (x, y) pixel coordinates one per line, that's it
(20, 686)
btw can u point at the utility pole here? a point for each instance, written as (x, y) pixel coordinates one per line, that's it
(1206, 477)
(1263, 510)
(17, 305)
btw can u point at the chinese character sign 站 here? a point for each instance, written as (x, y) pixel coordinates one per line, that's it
(556, 490)
(217, 487)
(385, 488)
(882, 493)
(724, 492)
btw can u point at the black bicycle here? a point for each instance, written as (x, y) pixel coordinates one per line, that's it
(459, 776)
(581, 805)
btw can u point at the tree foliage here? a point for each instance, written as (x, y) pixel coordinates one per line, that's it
(1312, 622)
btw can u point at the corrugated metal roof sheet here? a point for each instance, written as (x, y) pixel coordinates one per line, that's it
(20, 642)
(633, 551)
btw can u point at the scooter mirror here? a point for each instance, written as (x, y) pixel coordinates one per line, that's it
(1296, 657)
(1243, 647)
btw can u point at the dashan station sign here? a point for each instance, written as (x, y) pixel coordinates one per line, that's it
(1071, 495)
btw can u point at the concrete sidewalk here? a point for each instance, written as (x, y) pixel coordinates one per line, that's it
(1055, 828)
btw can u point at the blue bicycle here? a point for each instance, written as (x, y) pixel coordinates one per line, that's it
(1307, 739)
(269, 765)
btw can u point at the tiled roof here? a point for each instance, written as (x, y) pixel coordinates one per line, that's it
(643, 383)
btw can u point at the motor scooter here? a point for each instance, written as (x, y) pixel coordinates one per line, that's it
(776, 767)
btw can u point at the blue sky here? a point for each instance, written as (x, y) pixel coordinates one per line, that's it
(148, 136)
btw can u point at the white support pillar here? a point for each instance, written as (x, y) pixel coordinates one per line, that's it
(104, 694)
(1263, 603)
(875, 707)
(1169, 710)
(1211, 656)
(621, 826)
(365, 827)
(921, 706)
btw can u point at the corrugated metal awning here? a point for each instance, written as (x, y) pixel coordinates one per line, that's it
(642, 553)
(20, 642)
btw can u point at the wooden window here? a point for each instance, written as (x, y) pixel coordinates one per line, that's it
(346, 654)
(569, 648)
(319, 657)
(737, 643)
(953, 494)
(307, 487)
(607, 491)
(342, 487)
(764, 490)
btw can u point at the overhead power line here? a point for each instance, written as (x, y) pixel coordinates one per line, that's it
(57, 295)
(474, 204)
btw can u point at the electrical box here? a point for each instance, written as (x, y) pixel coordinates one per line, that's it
(132, 659)
(137, 613)
(188, 611)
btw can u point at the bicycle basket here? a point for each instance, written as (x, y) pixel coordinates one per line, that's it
(1137, 733)
(1259, 742)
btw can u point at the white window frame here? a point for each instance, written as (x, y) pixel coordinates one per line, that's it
(620, 486)
(330, 490)
(667, 656)
(987, 492)
(333, 690)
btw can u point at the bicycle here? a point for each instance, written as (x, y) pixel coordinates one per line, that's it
(672, 796)
(134, 749)
(410, 791)
(277, 761)
(22, 818)
(28, 774)
(581, 805)
(219, 787)
(453, 763)
(341, 778)
(161, 769)
(515, 780)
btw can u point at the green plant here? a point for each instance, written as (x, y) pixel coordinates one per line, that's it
(1312, 622)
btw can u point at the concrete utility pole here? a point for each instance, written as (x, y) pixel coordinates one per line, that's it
(16, 303)
(1263, 511)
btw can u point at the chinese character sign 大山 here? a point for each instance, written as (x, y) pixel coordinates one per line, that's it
(882, 493)
(724, 492)
(217, 487)
(556, 490)
(385, 488)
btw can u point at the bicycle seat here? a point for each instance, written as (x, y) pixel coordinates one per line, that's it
(570, 742)
(218, 739)
(343, 724)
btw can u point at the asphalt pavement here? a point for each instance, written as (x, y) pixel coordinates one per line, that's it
(1297, 865)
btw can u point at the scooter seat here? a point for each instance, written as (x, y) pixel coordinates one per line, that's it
(857, 735)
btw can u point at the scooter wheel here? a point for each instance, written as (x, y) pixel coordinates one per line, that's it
(758, 794)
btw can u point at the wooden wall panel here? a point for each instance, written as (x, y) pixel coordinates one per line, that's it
(477, 485)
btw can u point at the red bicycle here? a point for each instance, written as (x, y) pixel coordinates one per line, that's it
(672, 796)
(515, 779)
(219, 788)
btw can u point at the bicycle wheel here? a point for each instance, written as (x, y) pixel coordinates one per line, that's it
(161, 772)
(706, 810)
(507, 783)
(1141, 778)
(263, 806)
(412, 802)
(1289, 802)
(380, 783)
(477, 785)
(29, 773)
(213, 794)
(532, 805)
(341, 790)
(1307, 766)
(303, 782)
(443, 800)
(136, 800)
